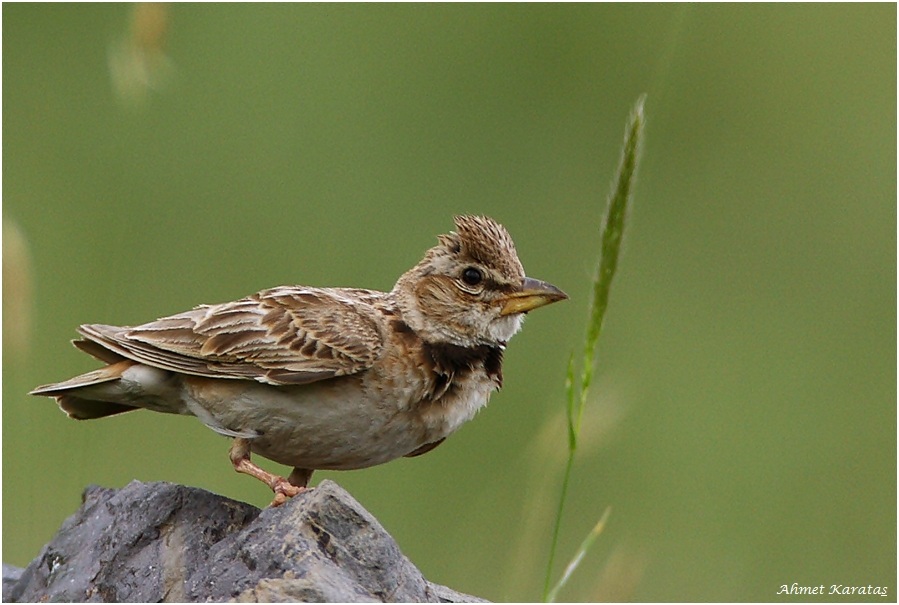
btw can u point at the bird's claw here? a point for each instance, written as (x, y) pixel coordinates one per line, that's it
(283, 490)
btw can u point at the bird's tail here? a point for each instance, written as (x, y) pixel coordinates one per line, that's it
(74, 398)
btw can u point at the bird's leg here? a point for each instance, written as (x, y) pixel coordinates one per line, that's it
(283, 488)
(300, 476)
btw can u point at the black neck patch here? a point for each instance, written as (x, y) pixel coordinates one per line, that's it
(452, 362)
(447, 362)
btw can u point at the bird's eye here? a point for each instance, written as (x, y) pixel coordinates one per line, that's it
(472, 276)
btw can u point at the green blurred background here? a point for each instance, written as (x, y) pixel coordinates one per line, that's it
(743, 424)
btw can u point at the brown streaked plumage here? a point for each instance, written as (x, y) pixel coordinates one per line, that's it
(326, 378)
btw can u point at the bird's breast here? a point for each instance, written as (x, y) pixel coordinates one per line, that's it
(451, 384)
(413, 395)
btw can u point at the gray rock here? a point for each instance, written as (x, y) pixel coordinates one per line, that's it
(152, 542)
(11, 577)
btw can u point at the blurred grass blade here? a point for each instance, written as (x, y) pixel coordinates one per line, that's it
(569, 395)
(579, 555)
(610, 248)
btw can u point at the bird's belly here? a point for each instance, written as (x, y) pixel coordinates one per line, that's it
(337, 424)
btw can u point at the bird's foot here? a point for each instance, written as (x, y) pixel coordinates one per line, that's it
(283, 490)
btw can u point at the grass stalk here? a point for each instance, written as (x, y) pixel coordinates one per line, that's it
(610, 247)
(579, 555)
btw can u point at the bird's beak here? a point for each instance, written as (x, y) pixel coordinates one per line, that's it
(534, 293)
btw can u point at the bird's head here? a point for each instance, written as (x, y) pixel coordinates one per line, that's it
(471, 289)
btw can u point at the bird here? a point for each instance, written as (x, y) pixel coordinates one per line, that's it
(320, 378)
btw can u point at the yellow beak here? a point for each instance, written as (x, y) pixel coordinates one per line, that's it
(534, 293)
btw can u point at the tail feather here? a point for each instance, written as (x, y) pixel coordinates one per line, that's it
(88, 409)
(104, 374)
(70, 399)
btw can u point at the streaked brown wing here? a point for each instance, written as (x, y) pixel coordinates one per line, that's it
(286, 335)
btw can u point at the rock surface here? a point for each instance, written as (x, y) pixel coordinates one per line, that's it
(158, 542)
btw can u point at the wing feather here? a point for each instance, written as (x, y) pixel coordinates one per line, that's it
(286, 335)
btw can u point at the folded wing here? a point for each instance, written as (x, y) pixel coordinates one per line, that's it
(287, 335)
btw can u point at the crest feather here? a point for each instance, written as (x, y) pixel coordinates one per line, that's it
(487, 242)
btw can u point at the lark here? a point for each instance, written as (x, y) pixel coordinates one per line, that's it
(325, 378)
